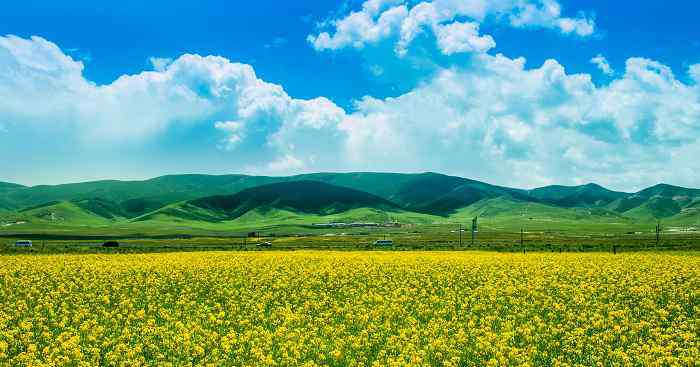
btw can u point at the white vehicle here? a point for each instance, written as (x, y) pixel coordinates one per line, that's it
(383, 243)
(23, 243)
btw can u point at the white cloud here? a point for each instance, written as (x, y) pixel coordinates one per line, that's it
(360, 28)
(494, 120)
(381, 20)
(503, 123)
(547, 14)
(232, 130)
(694, 72)
(191, 90)
(287, 164)
(462, 37)
(602, 63)
(160, 63)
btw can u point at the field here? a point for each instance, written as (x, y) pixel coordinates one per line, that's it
(493, 235)
(350, 308)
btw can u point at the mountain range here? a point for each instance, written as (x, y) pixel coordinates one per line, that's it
(208, 200)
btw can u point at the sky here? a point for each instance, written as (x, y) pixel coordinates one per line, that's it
(521, 93)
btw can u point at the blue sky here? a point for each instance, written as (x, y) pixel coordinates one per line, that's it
(453, 96)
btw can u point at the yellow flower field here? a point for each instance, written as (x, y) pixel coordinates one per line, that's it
(350, 309)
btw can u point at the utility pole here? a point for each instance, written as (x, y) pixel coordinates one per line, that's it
(460, 235)
(522, 237)
(475, 229)
(658, 233)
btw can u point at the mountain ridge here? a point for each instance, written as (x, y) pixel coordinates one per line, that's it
(426, 193)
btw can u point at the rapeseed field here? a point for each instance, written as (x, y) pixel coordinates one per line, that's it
(350, 309)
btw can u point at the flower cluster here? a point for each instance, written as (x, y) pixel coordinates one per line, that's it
(350, 309)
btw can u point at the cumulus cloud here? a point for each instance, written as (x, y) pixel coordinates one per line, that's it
(547, 14)
(602, 63)
(500, 121)
(694, 72)
(494, 119)
(42, 88)
(381, 20)
(462, 37)
(160, 63)
(288, 164)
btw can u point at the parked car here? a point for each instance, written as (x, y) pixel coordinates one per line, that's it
(23, 243)
(383, 243)
(110, 244)
(264, 244)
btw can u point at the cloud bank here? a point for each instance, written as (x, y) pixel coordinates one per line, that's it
(379, 20)
(494, 119)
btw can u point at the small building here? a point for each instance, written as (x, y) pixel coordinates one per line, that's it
(265, 244)
(23, 243)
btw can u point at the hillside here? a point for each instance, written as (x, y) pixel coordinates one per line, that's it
(658, 202)
(61, 213)
(6, 203)
(430, 193)
(299, 197)
(5, 186)
(213, 198)
(134, 197)
(590, 195)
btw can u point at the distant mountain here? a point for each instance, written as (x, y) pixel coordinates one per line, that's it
(657, 202)
(520, 211)
(213, 198)
(430, 193)
(4, 186)
(427, 192)
(134, 197)
(5, 202)
(304, 197)
(61, 213)
(590, 195)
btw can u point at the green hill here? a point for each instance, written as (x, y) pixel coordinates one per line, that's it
(299, 197)
(430, 193)
(5, 186)
(6, 203)
(134, 197)
(61, 213)
(590, 195)
(658, 202)
(416, 197)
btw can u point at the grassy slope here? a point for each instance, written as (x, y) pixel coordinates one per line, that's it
(430, 193)
(62, 213)
(111, 203)
(590, 195)
(135, 197)
(299, 197)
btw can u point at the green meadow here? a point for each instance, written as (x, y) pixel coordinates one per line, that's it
(344, 211)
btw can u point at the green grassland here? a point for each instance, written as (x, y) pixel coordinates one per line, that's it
(416, 210)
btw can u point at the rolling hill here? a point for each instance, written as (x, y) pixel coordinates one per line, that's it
(61, 213)
(429, 193)
(420, 198)
(590, 195)
(134, 197)
(5, 186)
(298, 197)
(658, 202)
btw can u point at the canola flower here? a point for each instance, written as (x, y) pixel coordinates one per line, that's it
(350, 309)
